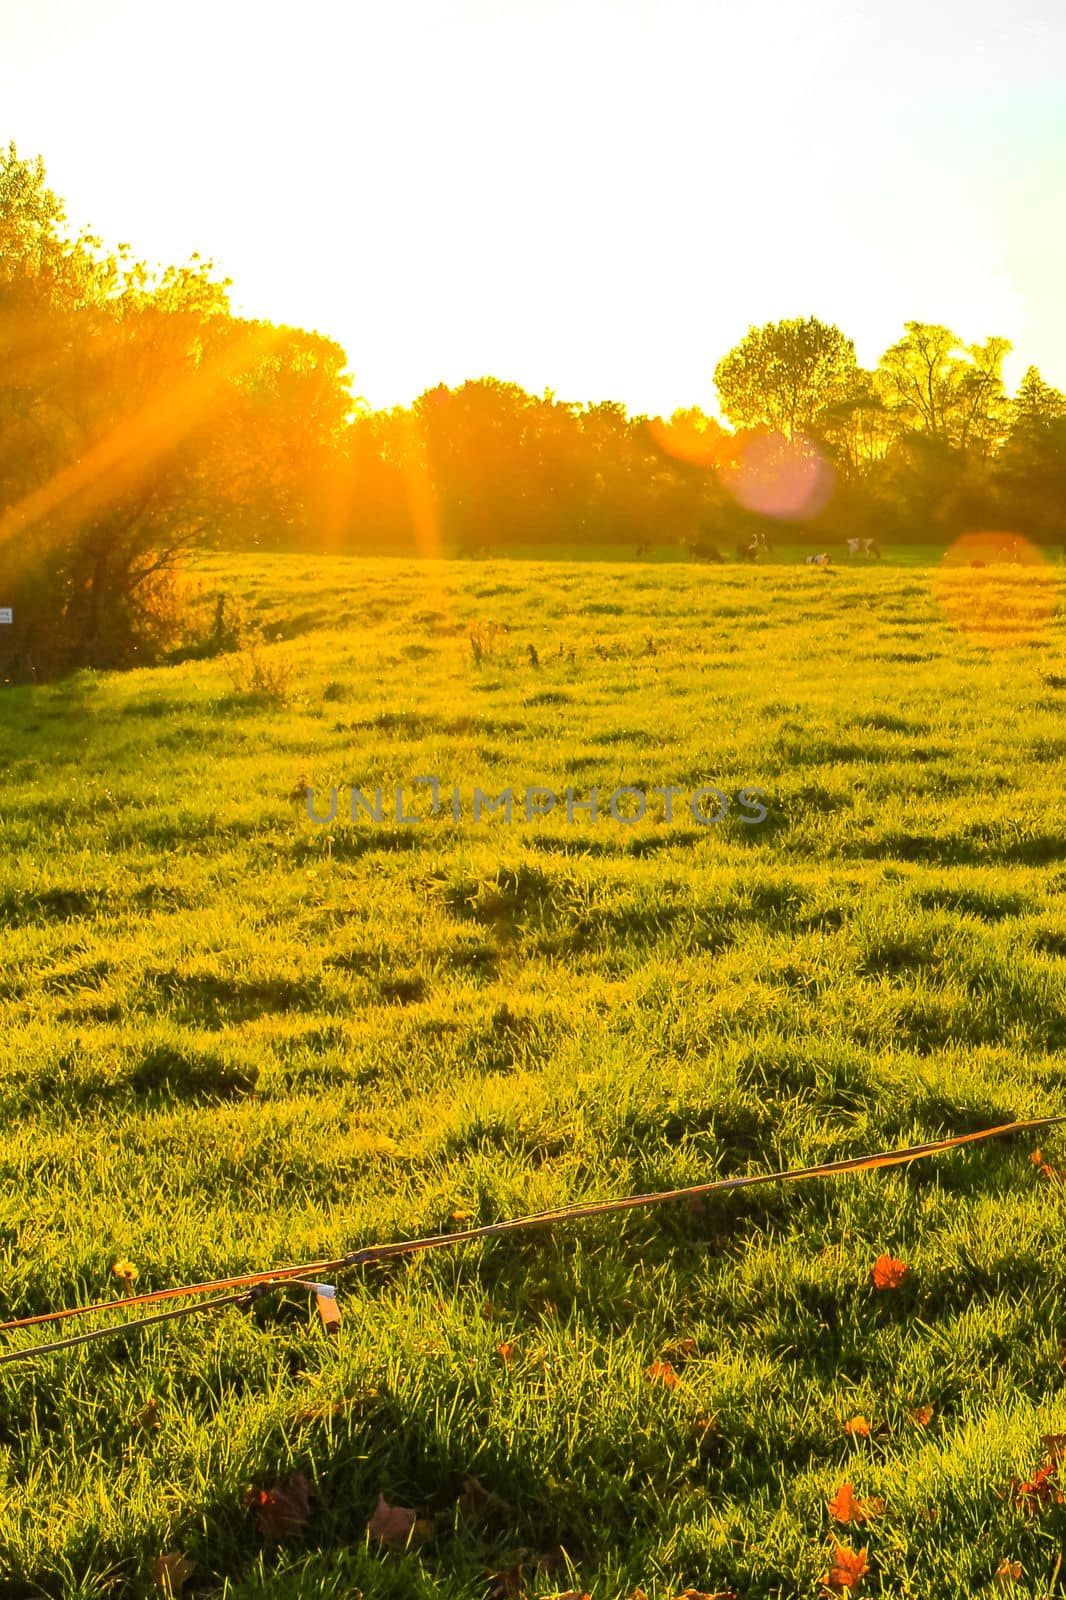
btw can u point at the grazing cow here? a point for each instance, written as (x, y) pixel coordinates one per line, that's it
(863, 547)
(821, 560)
(751, 549)
(701, 550)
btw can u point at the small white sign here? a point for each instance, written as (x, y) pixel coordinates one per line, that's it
(6, 614)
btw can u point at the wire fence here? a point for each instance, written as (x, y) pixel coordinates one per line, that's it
(244, 1289)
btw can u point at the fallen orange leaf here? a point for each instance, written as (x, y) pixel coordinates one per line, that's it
(858, 1427)
(844, 1507)
(505, 1352)
(888, 1273)
(397, 1526)
(662, 1372)
(282, 1511)
(847, 1569)
(1042, 1489)
(1045, 1169)
(172, 1572)
(1008, 1571)
(922, 1415)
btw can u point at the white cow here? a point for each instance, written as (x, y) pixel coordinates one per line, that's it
(819, 560)
(863, 547)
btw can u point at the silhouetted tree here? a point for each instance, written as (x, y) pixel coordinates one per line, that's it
(786, 376)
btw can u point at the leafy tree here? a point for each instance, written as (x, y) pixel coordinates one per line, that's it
(787, 376)
(138, 419)
(934, 384)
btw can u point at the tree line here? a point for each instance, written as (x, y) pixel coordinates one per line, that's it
(140, 419)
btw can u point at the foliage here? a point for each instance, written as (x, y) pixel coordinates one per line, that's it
(786, 376)
(142, 420)
(146, 419)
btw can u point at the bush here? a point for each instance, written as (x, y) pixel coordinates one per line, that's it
(253, 671)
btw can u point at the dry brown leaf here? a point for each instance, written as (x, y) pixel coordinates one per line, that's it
(701, 1594)
(148, 1419)
(679, 1350)
(857, 1427)
(282, 1511)
(846, 1570)
(845, 1507)
(507, 1584)
(398, 1526)
(888, 1273)
(1007, 1572)
(1045, 1169)
(172, 1572)
(476, 1502)
(662, 1372)
(922, 1415)
(1054, 1445)
(505, 1352)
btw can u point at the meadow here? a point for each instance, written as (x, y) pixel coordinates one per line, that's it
(232, 1038)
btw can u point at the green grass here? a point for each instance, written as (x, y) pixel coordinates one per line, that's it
(233, 1039)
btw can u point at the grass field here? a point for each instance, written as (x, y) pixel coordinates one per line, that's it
(233, 1038)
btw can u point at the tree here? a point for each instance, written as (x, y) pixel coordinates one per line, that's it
(137, 417)
(786, 376)
(1036, 408)
(1030, 470)
(934, 384)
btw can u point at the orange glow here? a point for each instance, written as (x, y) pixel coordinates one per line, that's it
(777, 477)
(128, 453)
(685, 440)
(421, 493)
(997, 588)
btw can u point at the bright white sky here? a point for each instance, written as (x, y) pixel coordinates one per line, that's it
(593, 196)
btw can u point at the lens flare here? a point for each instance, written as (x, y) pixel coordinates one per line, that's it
(696, 441)
(779, 477)
(996, 588)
